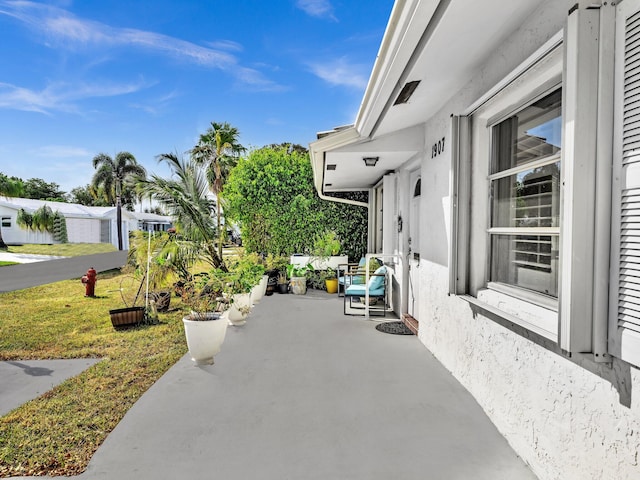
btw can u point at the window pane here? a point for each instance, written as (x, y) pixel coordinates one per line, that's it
(6, 221)
(534, 132)
(526, 261)
(528, 199)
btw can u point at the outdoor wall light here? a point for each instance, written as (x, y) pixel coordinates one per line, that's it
(370, 161)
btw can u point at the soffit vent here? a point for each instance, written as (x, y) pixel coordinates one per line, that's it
(331, 166)
(406, 92)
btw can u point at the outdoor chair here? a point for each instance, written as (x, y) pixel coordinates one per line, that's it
(354, 294)
(351, 274)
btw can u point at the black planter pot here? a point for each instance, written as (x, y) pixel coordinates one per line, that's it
(283, 288)
(272, 284)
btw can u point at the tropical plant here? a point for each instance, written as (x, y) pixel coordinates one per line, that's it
(185, 197)
(44, 220)
(59, 231)
(152, 254)
(9, 187)
(294, 270)
(112, 174)
(203, 295)
(218, 151)
(245, 272)
(326, 244)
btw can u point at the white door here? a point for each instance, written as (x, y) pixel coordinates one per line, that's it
(414, 245)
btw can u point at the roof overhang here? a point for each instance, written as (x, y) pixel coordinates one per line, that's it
(441, 44)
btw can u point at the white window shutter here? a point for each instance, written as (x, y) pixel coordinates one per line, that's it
(459, 194)
(624, 333)
(389, 214)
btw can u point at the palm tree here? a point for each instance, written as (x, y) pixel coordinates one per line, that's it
(218, 150)
(112, 174)
(8, 188)
(185, 198)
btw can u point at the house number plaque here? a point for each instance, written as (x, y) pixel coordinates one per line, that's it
(437, 148)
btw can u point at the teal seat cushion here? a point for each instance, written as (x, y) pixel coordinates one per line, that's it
(361, 291)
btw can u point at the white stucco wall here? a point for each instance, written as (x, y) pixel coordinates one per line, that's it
(568, 418)
(83, 230)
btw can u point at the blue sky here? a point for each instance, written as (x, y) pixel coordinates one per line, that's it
(82, 77)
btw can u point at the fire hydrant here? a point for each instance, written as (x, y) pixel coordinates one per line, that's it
(89, 279)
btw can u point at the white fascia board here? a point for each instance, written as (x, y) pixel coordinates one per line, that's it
(407, 24)
(328, 143)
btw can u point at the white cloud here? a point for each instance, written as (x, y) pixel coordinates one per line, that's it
(317, 8)
(226, 45)
(62, 28)
(341, 72)
(157, 105)
(59, 96)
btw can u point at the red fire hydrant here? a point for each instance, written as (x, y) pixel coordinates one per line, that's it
(89, 279)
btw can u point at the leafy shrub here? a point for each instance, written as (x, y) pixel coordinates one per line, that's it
(270, 195)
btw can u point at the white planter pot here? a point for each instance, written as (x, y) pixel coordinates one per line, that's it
(298, 285)
(205, 337)
(239, 309)
(259, 290)
(257, 293)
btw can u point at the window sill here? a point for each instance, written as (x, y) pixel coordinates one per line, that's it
(539, 320)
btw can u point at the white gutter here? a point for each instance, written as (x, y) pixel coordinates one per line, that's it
(317, 151)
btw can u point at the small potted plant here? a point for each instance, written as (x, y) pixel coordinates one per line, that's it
(330, 280)
(283, 284)
(205, 325)
(298, 277)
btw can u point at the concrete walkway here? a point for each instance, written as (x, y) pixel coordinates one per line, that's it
(24, 380)
(303, 392)
(17, 277)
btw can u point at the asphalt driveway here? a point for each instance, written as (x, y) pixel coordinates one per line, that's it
(17, 277)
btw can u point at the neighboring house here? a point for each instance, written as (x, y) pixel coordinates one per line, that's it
(149, 222)
(504, 143)
(84, 224)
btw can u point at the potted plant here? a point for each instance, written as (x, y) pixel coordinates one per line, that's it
(205, 325)
(152, 256)
(275, 267)
(298, 277)
(330, 280)
(283, 284)
(239, 281)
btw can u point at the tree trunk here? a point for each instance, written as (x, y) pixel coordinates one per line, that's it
(119, 221)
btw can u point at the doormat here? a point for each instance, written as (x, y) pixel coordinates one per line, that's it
(394, 328)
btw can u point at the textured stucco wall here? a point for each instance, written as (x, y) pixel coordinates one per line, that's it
(569, 418)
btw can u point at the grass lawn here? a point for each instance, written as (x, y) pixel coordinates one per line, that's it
(63, 249)
(4, 264)
(57, 433)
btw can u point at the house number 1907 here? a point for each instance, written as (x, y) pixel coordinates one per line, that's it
(437, 148)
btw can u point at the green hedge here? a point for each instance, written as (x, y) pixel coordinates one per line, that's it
(270, 195)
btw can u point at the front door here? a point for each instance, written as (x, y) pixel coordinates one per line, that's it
(414, 245)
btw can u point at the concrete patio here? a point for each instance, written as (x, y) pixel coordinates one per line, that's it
(303, 392)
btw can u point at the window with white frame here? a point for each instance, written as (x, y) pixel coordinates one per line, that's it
(506, 196)
(525, 197)
(6, 221)
(531, 208)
